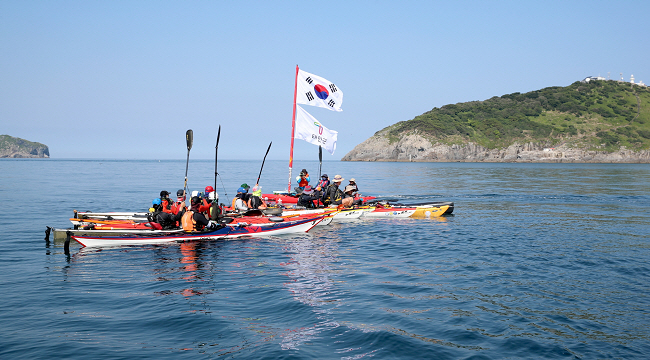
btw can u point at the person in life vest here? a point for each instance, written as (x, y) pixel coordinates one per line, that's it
(308, 197)
(206, 201)
(333, 195)
(179, 205)
(255, 201)
(242, 194)
(324, 182)
(166, 220)
(303, 180)
(354, 185)
(193, 220)
(166, 201)
(348, 198)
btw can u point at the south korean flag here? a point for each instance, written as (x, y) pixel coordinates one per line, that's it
(316, 91)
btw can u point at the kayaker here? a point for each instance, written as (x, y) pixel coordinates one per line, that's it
(180, 202)
(240, 200)
(349, 196)
(333, 195)
(308, 196)
(256, 201)
(353, 184)
(208, 190)
(193, 219)
(166, 201)
(166, 220)
(303, 180)
(324, 182)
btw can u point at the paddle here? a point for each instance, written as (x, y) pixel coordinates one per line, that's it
(189, 138)
(320, 167)
(320, 160)
(214, 213)
(260, 175)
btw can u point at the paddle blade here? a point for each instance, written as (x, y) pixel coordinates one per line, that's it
(189, 137)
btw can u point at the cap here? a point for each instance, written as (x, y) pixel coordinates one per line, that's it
(325, 176)
(245, 186)
(304, 171)
(156, 202)
(163, 193)
(241, 189)
(180, 193)
(196, 193)
(209, 189)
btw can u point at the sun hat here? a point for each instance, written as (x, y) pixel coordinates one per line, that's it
(338, 178)
(349, 188)
(352, 180)
(308, 190)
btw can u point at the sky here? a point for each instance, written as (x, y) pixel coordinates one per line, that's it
(127, 79)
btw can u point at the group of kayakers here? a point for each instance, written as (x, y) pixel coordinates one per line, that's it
(326, 193)
(173, 214)
(170, 214)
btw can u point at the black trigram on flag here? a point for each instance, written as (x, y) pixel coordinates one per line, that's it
(310, 96)
(309, 80)
(333, 88)
(331, 103)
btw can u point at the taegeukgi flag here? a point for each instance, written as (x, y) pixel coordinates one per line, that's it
(313, 132)
(317, 91)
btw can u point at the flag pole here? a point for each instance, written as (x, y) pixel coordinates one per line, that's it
(293, 129)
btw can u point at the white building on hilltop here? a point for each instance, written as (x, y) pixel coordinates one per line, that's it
(591, 78)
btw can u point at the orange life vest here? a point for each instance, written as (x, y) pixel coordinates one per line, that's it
(187, 221)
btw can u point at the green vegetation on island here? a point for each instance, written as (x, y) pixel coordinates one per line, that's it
(13, 147)
(597, 115)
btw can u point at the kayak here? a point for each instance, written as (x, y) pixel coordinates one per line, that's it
(225, 232)
(404, 211)
(342, 214)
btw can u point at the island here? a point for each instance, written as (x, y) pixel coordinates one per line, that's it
(591, 121)
(13, 147)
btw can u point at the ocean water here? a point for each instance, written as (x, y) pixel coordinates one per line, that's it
(537, 261)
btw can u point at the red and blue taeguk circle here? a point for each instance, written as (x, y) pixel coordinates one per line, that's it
(321, 92)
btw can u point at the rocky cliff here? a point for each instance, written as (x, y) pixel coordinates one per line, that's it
(415, 147)
(13, 147)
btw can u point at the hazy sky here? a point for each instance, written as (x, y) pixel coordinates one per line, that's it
(126, 79)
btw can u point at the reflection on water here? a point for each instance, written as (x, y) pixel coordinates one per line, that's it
(310, 267)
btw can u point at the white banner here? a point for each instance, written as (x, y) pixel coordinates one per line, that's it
(313, 132)
(316, 91)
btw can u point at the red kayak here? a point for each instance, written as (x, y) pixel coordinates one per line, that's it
(293, 199)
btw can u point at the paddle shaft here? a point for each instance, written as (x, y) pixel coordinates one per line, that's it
(189, 138)
(267, 152)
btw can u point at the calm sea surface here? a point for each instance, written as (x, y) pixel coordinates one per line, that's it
(538, 261)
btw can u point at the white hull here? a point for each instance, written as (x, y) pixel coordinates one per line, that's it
(257, 231)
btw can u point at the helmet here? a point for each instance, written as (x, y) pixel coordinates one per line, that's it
(209, 189)
(196, 200)
(164, 193)
(180, 193)
(156, 202)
